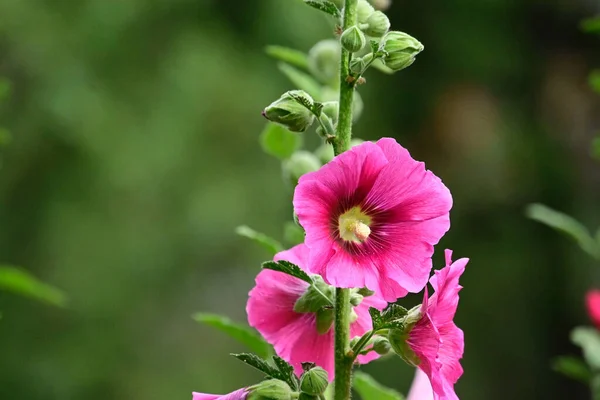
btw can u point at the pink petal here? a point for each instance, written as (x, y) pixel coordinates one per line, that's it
(297, 255)
(346, 271)
(445, 283)
(237, 395)
(420, 388)
(314, 203)
(310, 346)
(424, 340)
(364, 324)
(592, 301)
(451, 351)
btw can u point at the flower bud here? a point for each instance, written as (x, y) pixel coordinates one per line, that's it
(353, 39)
(316, 296)
(272, 389)
(314, 381)
(381, 345)
(325, 153)
(401, 50)
(331, 109)
(381, 4)
(398, 339)
(363, 11)
(324, 60)
(325, 317)
(356, 299)
(377, 24)
(300, 163)
(289, 113)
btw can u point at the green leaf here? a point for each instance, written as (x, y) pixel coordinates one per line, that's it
(325, 6)
(272, 245)
(301, 80)
(390, 318)
(279, 142)
(292, 233)
(566, 224)
(5, 88)
(588, 339)
(286, 372)
(5, 137)
(369, 389)
(21, 282)
(258, 363)
(573, 368)
(240, 332)
(594, 80)
(288, 268)
(591, 25)
(290, 56)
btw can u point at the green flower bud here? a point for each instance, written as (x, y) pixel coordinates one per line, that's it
(363, 11)
(300, 163)
(401, 50)
(289, 113)
(356, 299)
(325, 317)
(381, 345)
(377, 24)
(353, 39)
(398, 341)
(325, 153)
(381, 4)
(272, 389)
(314, 381)
(329, 94)
(331, 109)
(316, 296)
(324, 60)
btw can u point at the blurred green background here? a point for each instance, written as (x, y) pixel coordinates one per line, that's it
(135, 155)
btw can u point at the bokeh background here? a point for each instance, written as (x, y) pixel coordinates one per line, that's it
(134, 156)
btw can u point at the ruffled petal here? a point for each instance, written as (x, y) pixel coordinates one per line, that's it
(297, 255)
(421, 387)
(446, 286)
(310, 346)
(237, 395)
(451, 351)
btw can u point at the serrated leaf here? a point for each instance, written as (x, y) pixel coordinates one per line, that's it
(240, 332)
(325, 6)
(287, 372)
(376, 318)
(594, 80)
(292, 233)
(369, 389)
(588, 339)
(591, 25)
(573, 368)
(290, 56)
(288, 268)
(566, 224)
(256, 362)
(302, 100)
(393, 312)
(391, 317)
(21, 282)
(301, 80)
(279, 142)
(272, 245)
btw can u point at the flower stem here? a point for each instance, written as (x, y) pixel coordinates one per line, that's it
(341, 143)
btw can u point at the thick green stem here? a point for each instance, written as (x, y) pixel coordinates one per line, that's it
(341, 143)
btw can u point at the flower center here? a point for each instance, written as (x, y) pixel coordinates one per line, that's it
(353, 225)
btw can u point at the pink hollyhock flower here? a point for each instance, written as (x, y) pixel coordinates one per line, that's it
(435, 343)
(420, 388)
(237, 395)
(295, 335)
(372, 216)
(592, 300)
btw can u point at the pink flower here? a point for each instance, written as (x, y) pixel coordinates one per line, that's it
(372, 216)
(294, 334)
(592, 301)
(239, 394)
(436, 341)
(420, 388)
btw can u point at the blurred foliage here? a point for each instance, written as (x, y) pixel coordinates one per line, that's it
(18, 281)
(135, 155)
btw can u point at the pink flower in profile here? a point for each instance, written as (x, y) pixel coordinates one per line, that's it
(435, 340)
(592, 301)
(239, 394)
(295, 335)
(420, 388)
(372, 216)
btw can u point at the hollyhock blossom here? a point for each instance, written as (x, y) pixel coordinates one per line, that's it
(435, 344)
(273, 310)
(239, 394)
(372, 216)
(420, 388)
(592, 301)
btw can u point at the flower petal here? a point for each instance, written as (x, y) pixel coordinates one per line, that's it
(420, 388)
(239, 394)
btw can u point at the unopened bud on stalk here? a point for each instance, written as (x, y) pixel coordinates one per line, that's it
(331, 109)
(381, 345)
(363, 11)
(272, 389)
(377, 24)
(381, 4)
(300, 163)
(353, 39)
(289, 112)
(401, 50)
(324, 60)
(314, 381)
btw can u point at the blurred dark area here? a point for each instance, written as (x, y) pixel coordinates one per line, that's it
(134, 156)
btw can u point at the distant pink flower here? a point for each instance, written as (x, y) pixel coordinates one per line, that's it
(372, 216)
(435, 339)
(592, 300)
(239, 394)
(294, 335)
(420, 388)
